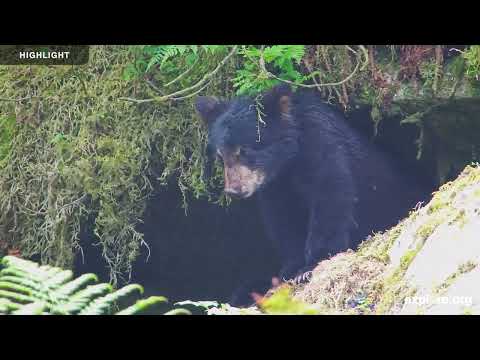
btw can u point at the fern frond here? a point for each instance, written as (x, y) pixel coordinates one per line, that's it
(37, 291)
(178, 312)
(21, 281)
(16, 297)
(29, 289)
(81, 299)
(59, 279)
(104, 304)
(8, 286)
(36, 308)
(20, 267)
(143, 305)
(6, 306)
(13, 272)
(13, 261)
(161, 54)
(75, 285)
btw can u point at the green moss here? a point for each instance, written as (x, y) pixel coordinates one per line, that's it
(428, 71)
(87, 154)
(462, 269)
(379, 245)
(469, 176)
(407, 258)
(440, 207)
(7, 133)
(282, 302)
(467, 311)
(437, 203)
(394, 288)
(427, 229)
(447, 130)
(460, 218)
(472, 60)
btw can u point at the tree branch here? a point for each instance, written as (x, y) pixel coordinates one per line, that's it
(200, 84)
(317, 85)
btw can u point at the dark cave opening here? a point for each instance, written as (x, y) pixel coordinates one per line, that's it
(204, 253)
(201, 254)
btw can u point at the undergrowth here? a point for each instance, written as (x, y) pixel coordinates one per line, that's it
(29, 289)
(79, 151)
(93, 141)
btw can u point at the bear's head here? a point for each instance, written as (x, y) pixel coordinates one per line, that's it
(254, 137)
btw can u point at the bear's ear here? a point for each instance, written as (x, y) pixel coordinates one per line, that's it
(209, 108)
(277, 101)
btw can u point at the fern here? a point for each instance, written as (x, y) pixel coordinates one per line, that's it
(162, 54)
(75, 285)
(35, 308)
(472, 58)
(249, 80)
(29, 289)
(283, 59)
(104, 304)
(143, 305)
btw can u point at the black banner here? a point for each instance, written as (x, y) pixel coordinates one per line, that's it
(44, 54)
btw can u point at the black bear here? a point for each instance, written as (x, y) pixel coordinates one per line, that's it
(322, 187)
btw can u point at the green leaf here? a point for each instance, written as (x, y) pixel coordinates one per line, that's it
(35, 308)
(143, 305)
(105, 304)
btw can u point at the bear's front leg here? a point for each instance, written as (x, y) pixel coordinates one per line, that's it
(285, 223)
(330, 223)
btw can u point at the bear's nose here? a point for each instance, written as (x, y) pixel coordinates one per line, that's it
(234, 192)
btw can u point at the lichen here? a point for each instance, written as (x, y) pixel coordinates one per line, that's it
(459, 219)
(428, 227)
(394, 287)
(462, 269)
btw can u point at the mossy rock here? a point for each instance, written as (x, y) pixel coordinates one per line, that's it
(429, 260)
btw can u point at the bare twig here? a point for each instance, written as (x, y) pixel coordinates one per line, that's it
(329, 69)
(182, 75)
(137, 101)
(270, 75)
(153, 86)
(200, 84)
(75, 202)
(365, 54)
(313, 74)
(205, 77)
(438, 67)
(21, 99)
(372, 62)
(192, 94)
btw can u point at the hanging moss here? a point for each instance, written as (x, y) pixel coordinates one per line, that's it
(76, 149)
(7, 130)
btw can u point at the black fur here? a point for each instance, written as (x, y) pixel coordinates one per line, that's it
(327, 187)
